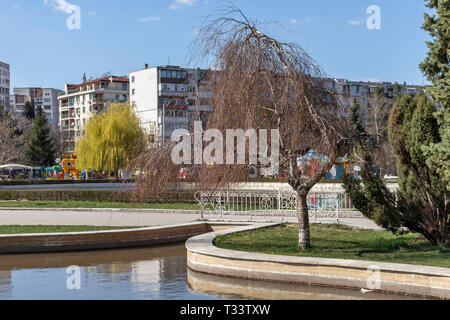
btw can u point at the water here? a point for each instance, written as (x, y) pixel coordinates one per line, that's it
(151, 273)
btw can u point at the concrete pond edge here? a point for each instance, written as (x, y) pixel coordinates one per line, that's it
(110, 239)
(422, 281)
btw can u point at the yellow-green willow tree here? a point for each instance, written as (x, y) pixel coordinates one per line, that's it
(111, 139)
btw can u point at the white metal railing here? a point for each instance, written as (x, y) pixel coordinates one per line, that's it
(272, 203)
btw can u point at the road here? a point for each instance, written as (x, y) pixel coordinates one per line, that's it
(129, 218)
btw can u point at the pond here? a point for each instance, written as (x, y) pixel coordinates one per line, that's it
(158, 273)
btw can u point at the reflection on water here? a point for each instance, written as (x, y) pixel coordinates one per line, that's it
(152, 273)
(259, 290)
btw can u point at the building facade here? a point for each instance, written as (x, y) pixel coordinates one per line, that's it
(167, 98)
(40, 98)
(79, 102)
(5, 78)
(365, 93)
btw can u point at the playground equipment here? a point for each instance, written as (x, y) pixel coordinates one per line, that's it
(54, 173)
(10, 171)
(311, 162)
(65, 169)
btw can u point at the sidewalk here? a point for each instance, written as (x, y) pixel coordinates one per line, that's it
(137, 217)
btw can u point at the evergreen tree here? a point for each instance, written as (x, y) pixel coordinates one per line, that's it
(28, 111)
(40, 149)
(421, 203)
(436, 68)
(436, 64)
(355, 118)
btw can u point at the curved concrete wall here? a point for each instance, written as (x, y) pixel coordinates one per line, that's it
(115, 239)
(204, 257)
(57, 242)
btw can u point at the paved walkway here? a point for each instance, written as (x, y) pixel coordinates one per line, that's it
(128, 218)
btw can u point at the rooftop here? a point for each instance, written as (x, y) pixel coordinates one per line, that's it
(103, 79)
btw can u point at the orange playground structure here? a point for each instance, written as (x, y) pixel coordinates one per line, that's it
(65, 169)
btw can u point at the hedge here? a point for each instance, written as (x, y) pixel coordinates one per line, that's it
(56, 182)
(90, 195)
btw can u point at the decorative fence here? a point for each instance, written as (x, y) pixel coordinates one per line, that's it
(273, 204)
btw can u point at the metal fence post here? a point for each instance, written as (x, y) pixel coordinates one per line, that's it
(279, 206)
(220, 206)
(202, 206)
(337, 208)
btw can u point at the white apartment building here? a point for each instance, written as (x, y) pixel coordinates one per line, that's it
(167, 98)
(81, 101)
(41, 98)
(4, 84)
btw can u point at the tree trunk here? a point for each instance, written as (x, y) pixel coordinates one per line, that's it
(304, 237)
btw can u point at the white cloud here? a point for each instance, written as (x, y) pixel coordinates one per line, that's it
(354, 22)
(15, 6)
(61, 5)
(306, 20)
(180, 3)
(149, 19)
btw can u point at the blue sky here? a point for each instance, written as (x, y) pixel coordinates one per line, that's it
(121, 36)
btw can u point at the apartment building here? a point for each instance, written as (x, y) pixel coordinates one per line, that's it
(168, 98)
(79, 102)
(41, 98)
(365, 93)
(4, 84)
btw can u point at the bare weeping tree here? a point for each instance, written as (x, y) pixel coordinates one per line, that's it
(258, 82)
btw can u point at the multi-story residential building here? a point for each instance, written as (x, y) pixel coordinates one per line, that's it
(81, 101)
(365, 93)
(40, 98)
(4, 84)
(167, 98)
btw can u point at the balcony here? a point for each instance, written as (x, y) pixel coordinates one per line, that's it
(167, 93)
(67, 128)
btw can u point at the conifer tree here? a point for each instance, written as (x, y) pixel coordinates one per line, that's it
(29, 111)
(40, 149)
(436, 68)
(421, 204)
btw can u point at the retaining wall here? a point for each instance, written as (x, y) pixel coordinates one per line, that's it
(203, 256)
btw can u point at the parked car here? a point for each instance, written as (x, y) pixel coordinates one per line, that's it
(188, 173)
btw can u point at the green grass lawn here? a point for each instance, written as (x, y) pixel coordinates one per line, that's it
(340, 242)
(97, 204)
(55, 229)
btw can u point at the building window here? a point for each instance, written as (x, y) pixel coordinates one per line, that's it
(133, 79)
(133, 91)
